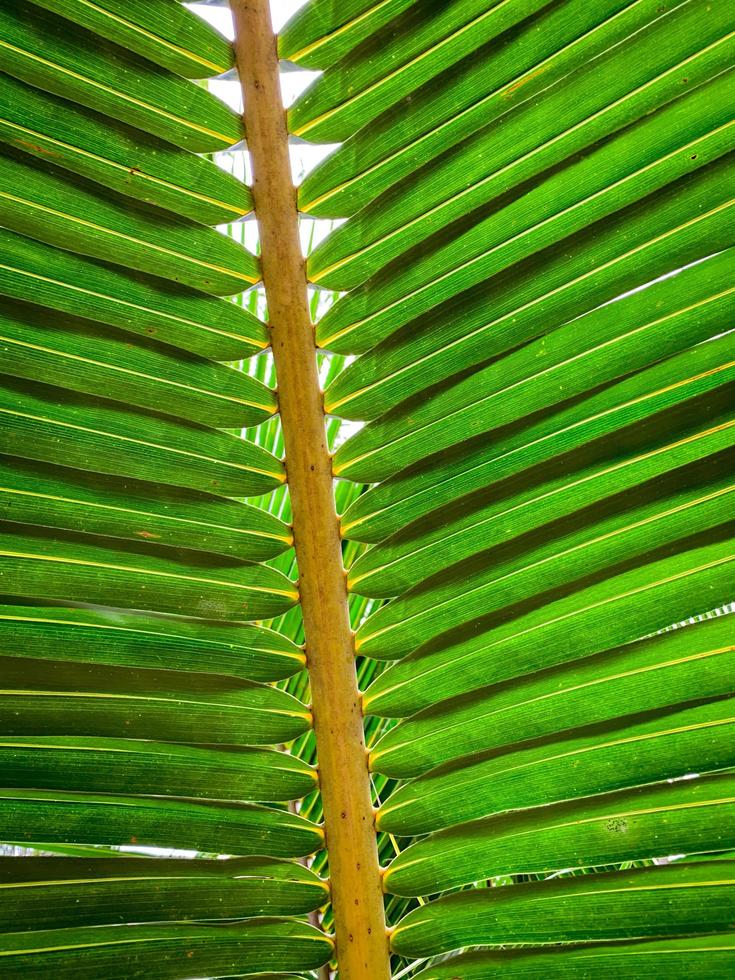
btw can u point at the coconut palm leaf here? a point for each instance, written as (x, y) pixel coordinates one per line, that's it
(371, 621)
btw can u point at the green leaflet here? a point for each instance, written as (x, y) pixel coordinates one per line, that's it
(115, 156)
(580, 111)
(517, 578)
(94, 764)
(45, 698)
(487, 248)
(493, 80)
(705, 957)
(702, 193)
(387, 631)
(323, 31)
(224, 828)
(38, 48)
(94, 434)
(691, 899)
(406, 558)
(397, 62)
(698, 739)
(617, 610)
(40, 200)
(93, 503)
(72, 353)
(597, 265)
(520, 462)
(81, 892)
(676, 666)
(393, 443)
(121, 639)
(416, 552)
(37, 566)
(165, 32)
(183, 318)
(602, 830)
(163, 951)
(682, 309)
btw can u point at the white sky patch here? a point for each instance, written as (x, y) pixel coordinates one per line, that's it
(304, 156)
(221, 18)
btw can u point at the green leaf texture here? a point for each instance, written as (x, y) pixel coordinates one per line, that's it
(89, 893)
(651, 902)
(532, 298)
(535, 288)
(167, 33)
(166, 951)
(146, 739)
(709, 957)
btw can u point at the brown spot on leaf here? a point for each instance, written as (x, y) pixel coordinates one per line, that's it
(512, 89)
(35, 148)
